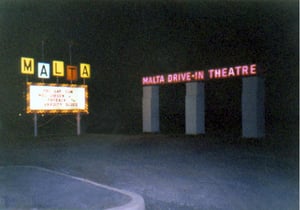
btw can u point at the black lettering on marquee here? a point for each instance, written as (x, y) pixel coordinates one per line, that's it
(85, 71)
(72, 71)
(57, 72)
(27, 67)
(43, 71)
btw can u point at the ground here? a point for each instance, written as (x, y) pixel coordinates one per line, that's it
(171, 172)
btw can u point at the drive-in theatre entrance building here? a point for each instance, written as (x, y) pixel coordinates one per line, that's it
(253, 94)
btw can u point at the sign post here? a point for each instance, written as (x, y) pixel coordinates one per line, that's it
(51, 98)
(78, 117)
(35, 124)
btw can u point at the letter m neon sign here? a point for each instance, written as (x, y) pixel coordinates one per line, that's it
(27, 65)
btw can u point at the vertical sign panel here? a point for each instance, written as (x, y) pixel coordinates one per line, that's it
(85, 70)
(43, 70)
(27, 65)
(58, 68)
(71, 73)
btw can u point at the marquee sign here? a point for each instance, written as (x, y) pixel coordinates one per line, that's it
(52, 98)
(55, 98)
(201, 75)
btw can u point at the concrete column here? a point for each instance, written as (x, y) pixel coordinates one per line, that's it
(253, 107)
(195, 108)
(151, 109)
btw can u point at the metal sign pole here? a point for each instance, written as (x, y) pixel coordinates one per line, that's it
(78, 124)
(35, 125)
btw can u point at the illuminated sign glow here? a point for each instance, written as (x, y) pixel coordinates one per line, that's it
(27, 65)
(85, 70)
(54, 98)
(43, 70)
(201, 75)
(58, 69)
(71, 73)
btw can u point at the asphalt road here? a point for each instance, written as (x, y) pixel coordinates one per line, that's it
(171, 172)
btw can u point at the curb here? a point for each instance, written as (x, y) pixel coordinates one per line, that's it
(136, 202)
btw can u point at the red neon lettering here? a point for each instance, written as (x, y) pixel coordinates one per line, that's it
(158, 79)
(175, 77)
(169, 78)
(188, 76)
(154, 79)
(145, 80)
(179, 77)
(253, 69)
(150, 80)
(238, 70)
(224, 72)
(231, 72)
(217, 73)
(245, 70)
(161, 79)
(199, 75)
(211, 73)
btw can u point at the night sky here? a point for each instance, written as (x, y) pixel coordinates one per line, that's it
(125, 40)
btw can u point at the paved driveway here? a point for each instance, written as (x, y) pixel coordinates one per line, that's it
(172, 172)
(30, 187)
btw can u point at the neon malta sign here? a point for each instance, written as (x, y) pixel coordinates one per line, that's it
(53, 98)
(58, 69)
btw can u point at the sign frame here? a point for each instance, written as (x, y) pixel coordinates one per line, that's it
(56, 111)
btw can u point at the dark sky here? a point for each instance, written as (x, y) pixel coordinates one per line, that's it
(125, 40)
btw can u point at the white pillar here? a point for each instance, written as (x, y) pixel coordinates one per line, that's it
(253, 107)
(195, 108)
(151, 109)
